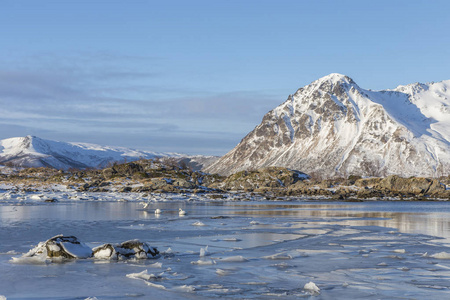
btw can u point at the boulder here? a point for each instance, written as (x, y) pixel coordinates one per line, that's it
(413, 185)
(68, 247)
(61, 247)
(262, 179)
(129, 249)
(183, 183)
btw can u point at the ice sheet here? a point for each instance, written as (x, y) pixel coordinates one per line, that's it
(369, 250)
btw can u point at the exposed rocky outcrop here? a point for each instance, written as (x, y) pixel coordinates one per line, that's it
(149, 176)
(262, 180)
(411, 185)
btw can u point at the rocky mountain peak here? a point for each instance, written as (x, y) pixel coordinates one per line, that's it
(335, 78)
(334, 127)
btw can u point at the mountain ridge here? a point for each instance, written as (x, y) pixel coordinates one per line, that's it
(334, 127)
(32, 151)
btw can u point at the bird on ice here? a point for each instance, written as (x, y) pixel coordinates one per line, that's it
(181, 212)
(158, 211)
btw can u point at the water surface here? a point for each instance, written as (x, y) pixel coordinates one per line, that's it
(236, 249)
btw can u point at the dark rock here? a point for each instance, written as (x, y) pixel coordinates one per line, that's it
(128, 249)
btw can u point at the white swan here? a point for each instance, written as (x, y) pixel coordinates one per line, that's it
(181, 212)
(145, 204)
(158, 211)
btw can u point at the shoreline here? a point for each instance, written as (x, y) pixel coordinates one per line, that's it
(146, 178)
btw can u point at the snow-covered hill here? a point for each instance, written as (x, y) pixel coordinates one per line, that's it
(332, 127)
(31, 151)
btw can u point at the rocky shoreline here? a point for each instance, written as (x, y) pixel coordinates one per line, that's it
(166, 176)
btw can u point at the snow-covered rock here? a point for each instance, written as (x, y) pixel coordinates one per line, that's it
(61, 247)
(332, 127)
(129, 249)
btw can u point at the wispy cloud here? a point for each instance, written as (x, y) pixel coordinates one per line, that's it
(95, 97)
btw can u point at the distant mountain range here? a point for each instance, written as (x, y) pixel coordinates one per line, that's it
(332, 127)
(31, 151)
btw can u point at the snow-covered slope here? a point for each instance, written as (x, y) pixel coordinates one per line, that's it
(332, 127)
(31, 151)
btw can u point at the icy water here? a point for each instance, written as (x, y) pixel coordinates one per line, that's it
(236, 250)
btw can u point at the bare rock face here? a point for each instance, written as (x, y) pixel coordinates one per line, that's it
(332, 127)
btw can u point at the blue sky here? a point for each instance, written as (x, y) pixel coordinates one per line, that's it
(197, 76)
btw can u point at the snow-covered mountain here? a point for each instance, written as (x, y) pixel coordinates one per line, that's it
(31, 151)
(332, 127)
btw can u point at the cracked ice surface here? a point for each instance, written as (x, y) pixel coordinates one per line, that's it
(251, 249)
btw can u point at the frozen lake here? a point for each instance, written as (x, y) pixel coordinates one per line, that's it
(235, 249)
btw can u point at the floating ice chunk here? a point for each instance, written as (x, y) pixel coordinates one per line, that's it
(203, 251)
(35, 260)
(382, 264)
(158, 286)
(231, 240)
(91, 298)
(184, 288)
(278, 256)
(399, 251)
(156, 265)
(254, 223)
(237, 258)
(255, 283)
(215, 286)
(312, 288)
(198, 223)
(204, 262)
(222, 272)
(168, 253)
(144, 275)
(395, 257)
(2, 297)
(441, 255)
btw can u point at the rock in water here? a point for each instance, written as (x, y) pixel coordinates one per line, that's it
(61, 247)
(68, 247)
(129, 249)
